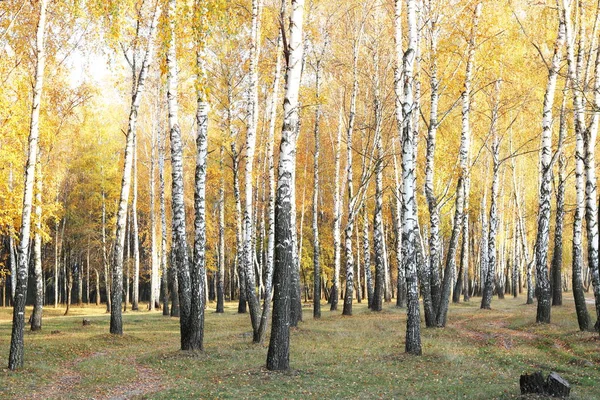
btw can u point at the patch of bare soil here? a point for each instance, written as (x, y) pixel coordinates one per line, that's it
(147, 381)
(65, 385)
(496, 332)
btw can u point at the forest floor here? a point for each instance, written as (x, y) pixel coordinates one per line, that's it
(479, 355)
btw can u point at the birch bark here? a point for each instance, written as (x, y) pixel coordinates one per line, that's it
(279, 344)
(545, 191)
(15, 358)
(116, 322)
(583, 317)
(461, 193)
(410, 232)
(36, 316)
(251, 123)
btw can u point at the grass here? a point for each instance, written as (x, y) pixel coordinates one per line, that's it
(479, 355)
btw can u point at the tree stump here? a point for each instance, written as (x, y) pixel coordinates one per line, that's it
(86, 322)
(557, 386)
(533, 383)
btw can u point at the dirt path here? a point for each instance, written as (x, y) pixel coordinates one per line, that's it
(67, 383)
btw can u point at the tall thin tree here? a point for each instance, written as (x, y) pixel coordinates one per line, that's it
(278, 357)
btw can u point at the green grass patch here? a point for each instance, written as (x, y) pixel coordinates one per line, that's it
(479, 355)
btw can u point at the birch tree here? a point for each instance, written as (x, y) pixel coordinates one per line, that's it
(116, 322)
(337, 219)
(279, 344)
(15, 358)
(198, 270)
(266, 309)
(431, 286)
(557, 255)
(545, 191)
(36, 316)
(462, 184)
(410, 232)
(583, 317)
(186, 284)
(315, 205)
(251, 124)
(163, 223)
(490, 278)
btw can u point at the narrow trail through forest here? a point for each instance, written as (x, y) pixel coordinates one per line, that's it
(69, 378)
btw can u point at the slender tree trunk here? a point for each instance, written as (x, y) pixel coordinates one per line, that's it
(378, 237)
(187, 287)
(163, 224)
(87, 275)
(483, 243)
(198, 269)
(68, 281)
(410, 232)
(154, 282)
(15, 359)
(463, 270)
(461, 188)
(279, 345)
(239, 229)
(315, 210)
(127, 261)
(367, 259)
(107, 282)
(591, 202)
(266, 308)
(251, 123)
(116, 323)
(348, 231)
(337, 220)
(296, 299)
(490, 280)
(545, 192)
(12, 252)
(557, 255)
(135, 232)
(431, 290)
(583, 317)
(97, 297)
(221, 250)
(38, 304)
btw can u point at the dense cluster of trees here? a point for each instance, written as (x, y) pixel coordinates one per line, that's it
(424, 141)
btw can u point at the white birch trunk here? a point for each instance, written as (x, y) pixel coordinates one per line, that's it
(199, 286)
(278, 354)
(36, 316)
(179, 244)
(154, 282)
(135, 231)
(251, 125)
(15, 359)
(490, 280)
(461, 194)
(431, 287)
(574, 69)
(266, 311)
(337, 219)
(545, 191)
(348, 231)
(591, 200)
(163, 224)
(410, 232)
